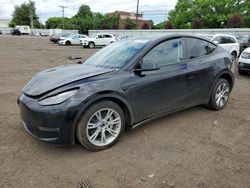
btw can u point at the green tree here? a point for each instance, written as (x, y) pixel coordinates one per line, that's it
(213, 13)
(84, 11)
(129, 24)
(235, 21)
(53, 23)
(21, 15)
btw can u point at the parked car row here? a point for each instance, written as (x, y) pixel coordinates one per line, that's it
(236, 46)
(67, 39)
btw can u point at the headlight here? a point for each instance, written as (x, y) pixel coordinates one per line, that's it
(57, 99)
(245, 55)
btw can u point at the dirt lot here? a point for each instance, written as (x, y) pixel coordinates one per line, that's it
(193, 148)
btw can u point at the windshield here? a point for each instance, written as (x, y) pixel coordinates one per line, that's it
(117, 54)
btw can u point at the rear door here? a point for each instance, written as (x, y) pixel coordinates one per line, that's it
(200, 68)
(107, 39)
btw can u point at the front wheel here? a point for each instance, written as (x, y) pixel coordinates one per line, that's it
(91, 45)
(101, 125)
(220, 95)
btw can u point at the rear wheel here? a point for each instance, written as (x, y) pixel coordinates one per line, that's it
(220, 95)
(234, 56)
(91, 45)
(101, 125)
(68, 43)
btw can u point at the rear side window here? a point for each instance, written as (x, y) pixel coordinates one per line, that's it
(227, 40)
(197, 47)
(107, 36)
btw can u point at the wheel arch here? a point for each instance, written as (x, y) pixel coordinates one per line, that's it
(68, 42)
(229, 77)
(91, 42)
(116, 98)
(234, 51)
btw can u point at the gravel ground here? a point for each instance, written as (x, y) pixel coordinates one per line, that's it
(192, 148)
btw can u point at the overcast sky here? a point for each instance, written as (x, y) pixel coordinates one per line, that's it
(155, 10)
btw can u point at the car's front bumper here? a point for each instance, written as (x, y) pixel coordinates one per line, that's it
(53, 124)
(61, 42)
(244, 64)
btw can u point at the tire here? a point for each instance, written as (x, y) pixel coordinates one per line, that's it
(234, 56)
(67, 43)
(90, 129)
(91, 45)
(242, 72)
(222, 86)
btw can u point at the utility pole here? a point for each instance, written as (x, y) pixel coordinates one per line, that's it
(137, 12)
(63, 7)
(31, 18)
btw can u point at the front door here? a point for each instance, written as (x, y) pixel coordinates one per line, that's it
(163, 90)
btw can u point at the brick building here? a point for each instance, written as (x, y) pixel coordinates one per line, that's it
(123, 15)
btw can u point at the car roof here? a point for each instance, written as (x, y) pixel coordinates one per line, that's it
(223, 35)
(160, 37)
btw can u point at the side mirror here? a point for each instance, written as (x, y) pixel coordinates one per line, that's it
(216, 42)
(147, 65)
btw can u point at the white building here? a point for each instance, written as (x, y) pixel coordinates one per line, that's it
(4, 22)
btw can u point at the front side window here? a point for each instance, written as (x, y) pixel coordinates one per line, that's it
(198, 48)
(167, 52)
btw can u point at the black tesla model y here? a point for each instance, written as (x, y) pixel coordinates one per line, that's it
(123, 85)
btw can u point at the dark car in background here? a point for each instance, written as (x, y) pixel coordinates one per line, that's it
(125, 84)
(1, 32)
(244, 41)
(56, 37)
(15, 32)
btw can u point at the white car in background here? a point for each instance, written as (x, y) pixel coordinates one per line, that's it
(228, 42)
(244, 62)
(72, 40)
(101, 39)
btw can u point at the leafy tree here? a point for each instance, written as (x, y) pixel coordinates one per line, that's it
(129, 24)
(214, 13)
(235, 21)
(54, 22)
(84, 11)
(21, 15)
(197, 23)
(168, 25)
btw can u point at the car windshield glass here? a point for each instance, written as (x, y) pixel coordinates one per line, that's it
(117, 54)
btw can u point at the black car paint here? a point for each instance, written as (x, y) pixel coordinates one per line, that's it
(194, 77)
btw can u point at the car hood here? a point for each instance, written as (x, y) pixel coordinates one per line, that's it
(247, 50)
(53, 78)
